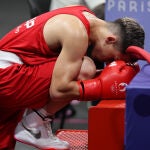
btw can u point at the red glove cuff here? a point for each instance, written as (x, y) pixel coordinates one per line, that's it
(89, 90)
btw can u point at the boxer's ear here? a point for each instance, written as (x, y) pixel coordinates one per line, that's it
(111, 39)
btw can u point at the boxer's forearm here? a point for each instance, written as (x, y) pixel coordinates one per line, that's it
(65, 93)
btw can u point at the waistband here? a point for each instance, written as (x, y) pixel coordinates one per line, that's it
(8, 58)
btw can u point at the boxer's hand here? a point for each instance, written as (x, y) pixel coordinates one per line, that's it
(110, 84)
(115, 77)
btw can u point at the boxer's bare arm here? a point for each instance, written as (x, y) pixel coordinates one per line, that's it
(73, 39)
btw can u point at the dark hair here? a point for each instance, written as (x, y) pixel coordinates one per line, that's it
(131, 33)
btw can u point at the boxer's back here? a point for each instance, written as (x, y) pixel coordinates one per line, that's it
(27, 40)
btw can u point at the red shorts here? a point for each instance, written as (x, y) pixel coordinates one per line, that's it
(8, 122)
(21, 87)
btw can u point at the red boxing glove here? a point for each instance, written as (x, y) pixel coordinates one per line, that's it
(110, 84)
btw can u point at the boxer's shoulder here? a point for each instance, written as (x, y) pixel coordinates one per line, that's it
(56, 32)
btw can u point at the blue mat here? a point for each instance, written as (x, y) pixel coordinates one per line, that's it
(137, 134)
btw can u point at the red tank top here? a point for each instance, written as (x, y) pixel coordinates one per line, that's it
(27, 40)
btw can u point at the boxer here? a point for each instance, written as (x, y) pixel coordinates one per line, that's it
(48, 52)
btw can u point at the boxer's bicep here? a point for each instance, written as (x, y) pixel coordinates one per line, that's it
(67, 67)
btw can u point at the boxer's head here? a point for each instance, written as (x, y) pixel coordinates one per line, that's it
(113, 38)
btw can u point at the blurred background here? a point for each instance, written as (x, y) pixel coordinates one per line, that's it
(12, 13)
